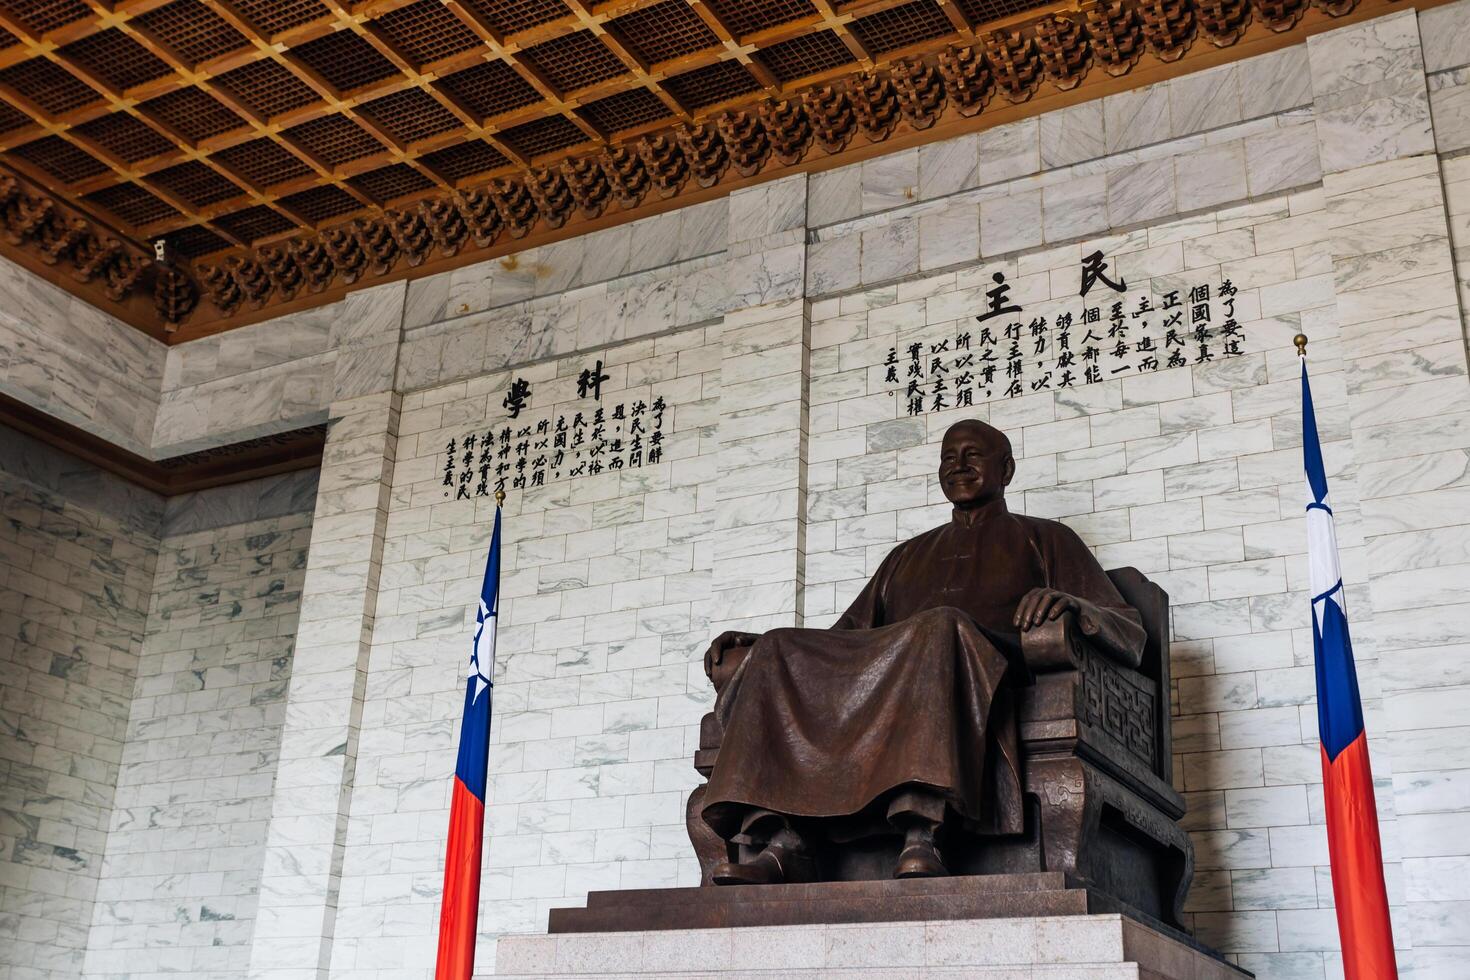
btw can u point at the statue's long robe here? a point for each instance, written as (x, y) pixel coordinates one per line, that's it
(910, 687)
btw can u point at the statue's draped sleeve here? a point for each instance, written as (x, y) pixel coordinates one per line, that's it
(1104, 617)
(866, 611)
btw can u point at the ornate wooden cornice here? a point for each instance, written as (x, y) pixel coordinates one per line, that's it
(1022, 67)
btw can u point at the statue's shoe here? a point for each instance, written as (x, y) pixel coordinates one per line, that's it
(774, 865)
(919, 860)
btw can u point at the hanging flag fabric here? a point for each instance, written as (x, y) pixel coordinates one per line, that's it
(1352, 819)
(460, 908)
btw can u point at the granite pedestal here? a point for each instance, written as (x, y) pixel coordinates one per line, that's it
(1030, 926)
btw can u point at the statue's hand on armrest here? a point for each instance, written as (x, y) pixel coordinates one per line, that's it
(725, 654)
(1042, 605)
(1041, 617)
(1045, 626)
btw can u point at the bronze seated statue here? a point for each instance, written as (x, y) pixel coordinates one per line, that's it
(992, 702)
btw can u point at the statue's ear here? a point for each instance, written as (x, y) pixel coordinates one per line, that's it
(1010, 469)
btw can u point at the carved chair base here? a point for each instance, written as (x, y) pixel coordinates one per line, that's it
(1080, 821)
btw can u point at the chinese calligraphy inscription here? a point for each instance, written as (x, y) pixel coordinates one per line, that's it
(582, 442)
(1009, 352)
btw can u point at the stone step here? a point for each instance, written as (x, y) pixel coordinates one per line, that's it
(1069, 947)
(826, 890)
(848, 907)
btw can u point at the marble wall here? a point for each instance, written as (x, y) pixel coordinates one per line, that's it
(77, 556)
(1327, 182)
(72, 360)
(186, 842)
(144, 648)
(598, 684)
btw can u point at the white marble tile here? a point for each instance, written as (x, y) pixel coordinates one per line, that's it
(1211, 176)
(1445, 34)
(1363, 54)
(947, 167)
(949, 238)
(1074, 208)
(1073, 134)
(890, 252)
(1205, 100)
(1010, 223)
(1008, 152)
(1282, 159)
(1278, 81)
(1137, 118)
(1141, 192)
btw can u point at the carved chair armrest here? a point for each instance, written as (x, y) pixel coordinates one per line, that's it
(1052, 646)
(1059, 644)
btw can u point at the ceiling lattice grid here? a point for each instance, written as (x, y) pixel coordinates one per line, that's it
(219, 124)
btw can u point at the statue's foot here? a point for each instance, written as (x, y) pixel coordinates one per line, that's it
(778, 863)
(919, 859)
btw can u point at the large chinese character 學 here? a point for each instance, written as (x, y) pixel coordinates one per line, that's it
(516, 397)
(591, 380)
(998, 301)
(1095, 270)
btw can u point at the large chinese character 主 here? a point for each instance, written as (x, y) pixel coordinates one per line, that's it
(1095, 270)
(516, 397)
(997, 299)
(591, 380)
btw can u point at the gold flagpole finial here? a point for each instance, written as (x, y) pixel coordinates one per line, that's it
(1301, 344)
(499, 498)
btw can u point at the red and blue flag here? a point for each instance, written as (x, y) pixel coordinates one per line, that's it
(1352, 818)
(461, 904)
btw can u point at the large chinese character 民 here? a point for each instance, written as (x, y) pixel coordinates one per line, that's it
(1095, 270)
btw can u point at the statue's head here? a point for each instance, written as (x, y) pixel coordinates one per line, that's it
(975, 463)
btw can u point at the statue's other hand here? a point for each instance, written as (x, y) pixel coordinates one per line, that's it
(729, 640)
(1041, 605)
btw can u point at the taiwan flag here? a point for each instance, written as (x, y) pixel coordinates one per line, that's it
(460, 908)
(1352, 819)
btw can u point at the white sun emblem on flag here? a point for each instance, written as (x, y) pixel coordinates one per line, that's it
(482, 660)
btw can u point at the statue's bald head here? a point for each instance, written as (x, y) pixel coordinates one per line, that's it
(975, 463)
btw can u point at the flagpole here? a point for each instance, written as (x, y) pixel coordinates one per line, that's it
(1364, 930)
(459, 911)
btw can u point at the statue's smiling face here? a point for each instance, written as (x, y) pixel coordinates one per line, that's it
(975, 464)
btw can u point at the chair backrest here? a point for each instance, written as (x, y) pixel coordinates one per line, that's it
(1152, 604)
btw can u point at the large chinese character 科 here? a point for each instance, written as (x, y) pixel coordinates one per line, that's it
(591, 380)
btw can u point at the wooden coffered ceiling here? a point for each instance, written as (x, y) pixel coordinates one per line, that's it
(284, 150)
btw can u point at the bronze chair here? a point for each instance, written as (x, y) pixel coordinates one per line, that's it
(1098, 775)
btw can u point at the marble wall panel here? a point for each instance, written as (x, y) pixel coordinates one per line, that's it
(77, 557)
(605, 607)
(74, 361)
(186, 841)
